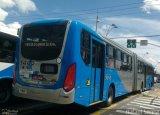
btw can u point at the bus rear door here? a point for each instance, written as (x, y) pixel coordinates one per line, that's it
(97, 77)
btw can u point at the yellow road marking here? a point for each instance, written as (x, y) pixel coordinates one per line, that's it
(99, 112)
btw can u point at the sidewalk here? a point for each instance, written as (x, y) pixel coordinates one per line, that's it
(155, 92)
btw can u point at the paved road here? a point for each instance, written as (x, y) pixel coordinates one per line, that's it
(79, 110)
(147, 103)
(141, 105)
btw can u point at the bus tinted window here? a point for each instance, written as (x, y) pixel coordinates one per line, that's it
(85, 46)
(110, 54)
(140, 67)
(43, 42)
(129, 62)
(124, 58)
(97, 54)
(118, 55)
(150, 70)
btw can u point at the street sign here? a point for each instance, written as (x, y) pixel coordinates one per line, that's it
(143, 42)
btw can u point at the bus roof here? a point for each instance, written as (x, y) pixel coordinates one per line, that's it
(8, 36)
(47, 21)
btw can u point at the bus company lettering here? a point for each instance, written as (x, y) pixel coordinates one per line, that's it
(40, 44)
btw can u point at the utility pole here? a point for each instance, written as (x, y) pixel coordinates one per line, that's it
(97, 21)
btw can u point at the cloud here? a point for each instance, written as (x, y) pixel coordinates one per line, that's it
(10, 28)
(25, 5)
(6, 3)
(149, 5)
(3, 14)
(130, 25)
(14, 25)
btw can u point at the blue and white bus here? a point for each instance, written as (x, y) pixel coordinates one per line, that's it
(64, 62)
(7, 56)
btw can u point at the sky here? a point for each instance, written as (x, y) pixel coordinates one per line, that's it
(132, 18)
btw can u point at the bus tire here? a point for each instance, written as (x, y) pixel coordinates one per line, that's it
(5, 94)
(142, 88)
(110, 96)
(150, 86)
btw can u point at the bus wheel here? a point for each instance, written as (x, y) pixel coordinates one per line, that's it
(5, 94)
(150, 86)
(142, 89)
(110, 96)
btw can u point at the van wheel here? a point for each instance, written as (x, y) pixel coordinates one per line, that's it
(5, 94)
(110, 97)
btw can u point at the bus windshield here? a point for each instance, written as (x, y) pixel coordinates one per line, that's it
(43, 41)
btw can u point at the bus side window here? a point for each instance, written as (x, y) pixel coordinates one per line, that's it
(107, 55)
(110, 56)
(124, 62)
(118, 59)
(129, 62)
(85, 47)
(150, 70)
(140, 67)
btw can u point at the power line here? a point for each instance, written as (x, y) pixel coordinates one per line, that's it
(151, 44)
(154, 45)
(87, 14)
(135, 36)
(123, 14)
(94, 9)
(100, 12)
(80, 18)
(115, 10)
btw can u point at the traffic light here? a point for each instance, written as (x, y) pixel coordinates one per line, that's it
(134, 43)
(131, 43)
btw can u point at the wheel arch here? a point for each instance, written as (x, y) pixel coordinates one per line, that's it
(6, 82)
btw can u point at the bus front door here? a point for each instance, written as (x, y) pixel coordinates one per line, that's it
(97, 71)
